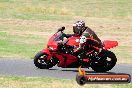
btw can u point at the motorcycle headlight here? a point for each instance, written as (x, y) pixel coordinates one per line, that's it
(52, 49)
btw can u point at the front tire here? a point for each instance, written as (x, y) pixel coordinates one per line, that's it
(40, 61)
(106, 63)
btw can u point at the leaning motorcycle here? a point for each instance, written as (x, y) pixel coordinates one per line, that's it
(62, 54)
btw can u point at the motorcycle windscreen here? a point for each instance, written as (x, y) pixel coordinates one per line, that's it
(54, 39)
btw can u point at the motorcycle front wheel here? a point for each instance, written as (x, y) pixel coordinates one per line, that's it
(107, 62)
(40, 61)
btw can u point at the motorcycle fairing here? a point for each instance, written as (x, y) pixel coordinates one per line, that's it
(46, 51)
(73, 41)
(110, 44)
(65, 59)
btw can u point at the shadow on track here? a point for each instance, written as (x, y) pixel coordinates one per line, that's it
(75, 70)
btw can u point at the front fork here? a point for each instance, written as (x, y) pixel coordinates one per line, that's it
(47, 51)
(50, 57)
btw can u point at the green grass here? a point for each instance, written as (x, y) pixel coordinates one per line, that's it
(17, 50)
(47, 82)
(65, 9)
(123, 54)
(21, 46)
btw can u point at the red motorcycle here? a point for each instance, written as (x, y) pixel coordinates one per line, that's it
(62, 54)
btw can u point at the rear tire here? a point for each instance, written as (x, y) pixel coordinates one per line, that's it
(40, 61)
(107, 62)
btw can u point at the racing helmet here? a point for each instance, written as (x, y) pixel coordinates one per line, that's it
(78, 27)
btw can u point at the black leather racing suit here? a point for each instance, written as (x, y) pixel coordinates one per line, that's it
(89, 40)
(67, 35)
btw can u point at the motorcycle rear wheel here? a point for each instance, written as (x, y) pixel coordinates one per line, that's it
(41, 62)
(107, 62)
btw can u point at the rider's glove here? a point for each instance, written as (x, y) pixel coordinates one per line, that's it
(100, 49)
(103, 44)
(61, 29)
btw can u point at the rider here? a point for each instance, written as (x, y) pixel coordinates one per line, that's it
(88, 38)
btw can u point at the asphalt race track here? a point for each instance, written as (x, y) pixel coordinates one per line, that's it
(17, 67)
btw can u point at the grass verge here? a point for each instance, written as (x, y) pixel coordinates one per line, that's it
(65, 10)
(46, 82)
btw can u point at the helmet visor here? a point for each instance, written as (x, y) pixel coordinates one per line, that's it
(76, 30)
